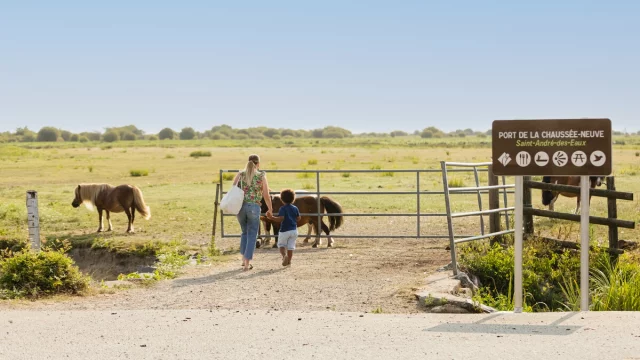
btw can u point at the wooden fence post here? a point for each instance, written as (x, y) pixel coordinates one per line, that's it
(612, 213)
(494, 203)
(526, 203)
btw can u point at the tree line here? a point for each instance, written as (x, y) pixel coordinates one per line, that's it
(220, 132)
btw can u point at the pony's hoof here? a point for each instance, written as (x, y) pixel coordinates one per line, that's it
(274, 246)
(306, 241)
(99, 230)
(258, 244)
(314, 245)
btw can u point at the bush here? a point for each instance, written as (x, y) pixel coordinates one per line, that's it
(426, 134)
(228, 176)
(32, 275)
(153, 138)
(187, 134)
(48, 134)
(129, 136)
(74, 138)
(312, 161)
(111, 136)
(29, 137)
(83, 139)
(200, 153)
(139, 172)
(166, 133)
(10, 246)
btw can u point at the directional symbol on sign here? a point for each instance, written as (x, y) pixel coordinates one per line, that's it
(542, 158)
(598, 158)
(504, 159)
(579, 158)
(523, 158)
(560, 158)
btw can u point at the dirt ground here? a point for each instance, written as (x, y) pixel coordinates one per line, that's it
(356, 275)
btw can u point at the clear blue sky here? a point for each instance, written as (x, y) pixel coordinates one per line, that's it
(363, 65)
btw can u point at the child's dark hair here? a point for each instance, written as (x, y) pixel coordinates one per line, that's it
(287, 196)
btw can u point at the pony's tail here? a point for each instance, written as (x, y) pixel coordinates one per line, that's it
(547, 195)
(332, 207)
(138, 202)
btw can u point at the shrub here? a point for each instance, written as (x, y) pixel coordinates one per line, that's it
(346, 175)
(388, 173)
(637, 153)
(111, 136)
(426, 134)
(228, 176)
(169, 156)
(29, 274)
(48, 134)
(29, 137)
(10, 246)
(153, 138)
(187, 134)
(312, 161)
(129, 136)
(74, 138)
(83, 139)
(139, 172)
(456, 183)
(166, 133)
(200, 153)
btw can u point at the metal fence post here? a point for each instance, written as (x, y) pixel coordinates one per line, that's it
(452, 243)
(418, 203)
(221, 214)
(319, 228)
(475, 174)
(33, 219)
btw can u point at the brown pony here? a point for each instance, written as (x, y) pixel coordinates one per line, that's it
(309, 205)
(549, 197)
(117, 199)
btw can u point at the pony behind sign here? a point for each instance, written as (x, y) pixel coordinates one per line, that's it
(549, 197)
(108, 198)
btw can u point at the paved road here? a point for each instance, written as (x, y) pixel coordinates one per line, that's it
(222, 334)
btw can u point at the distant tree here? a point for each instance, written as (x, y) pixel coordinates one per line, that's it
(83, 139)
(48, 134)
(93, 136)
(75, 138)
(111, 136)
(129, 136)
(29, 137)
(426, 134)
(317, 133)
(166, 133)
(65, 135)
(270, 133)
(398, 133)
(288, 132)
(153, 138)
(187, 134)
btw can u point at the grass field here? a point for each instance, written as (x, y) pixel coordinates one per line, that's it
(180, 188)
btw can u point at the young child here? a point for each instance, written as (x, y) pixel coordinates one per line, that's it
(288, 216)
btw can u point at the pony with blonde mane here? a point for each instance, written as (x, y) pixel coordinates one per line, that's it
(115, 199)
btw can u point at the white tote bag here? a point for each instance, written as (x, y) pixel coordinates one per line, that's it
(231, 202)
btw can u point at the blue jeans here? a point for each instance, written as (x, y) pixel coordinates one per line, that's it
(249, 219)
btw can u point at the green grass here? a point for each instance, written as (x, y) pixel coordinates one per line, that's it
(314, 161)
(139, 172)
(455, 183)
(181, 193)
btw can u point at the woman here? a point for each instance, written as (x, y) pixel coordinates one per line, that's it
(254, 184)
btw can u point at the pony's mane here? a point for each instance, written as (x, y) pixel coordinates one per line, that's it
(90, 192)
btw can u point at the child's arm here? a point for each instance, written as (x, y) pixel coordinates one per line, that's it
(277, 219)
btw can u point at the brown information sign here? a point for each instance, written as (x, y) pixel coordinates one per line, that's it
(552, 147)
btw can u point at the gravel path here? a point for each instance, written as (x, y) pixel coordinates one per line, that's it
(357, 275)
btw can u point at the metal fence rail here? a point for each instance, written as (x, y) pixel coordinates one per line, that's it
(417, 193)
(454, 239)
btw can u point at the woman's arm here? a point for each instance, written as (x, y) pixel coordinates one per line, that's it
(235, 179)
(266, 195)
